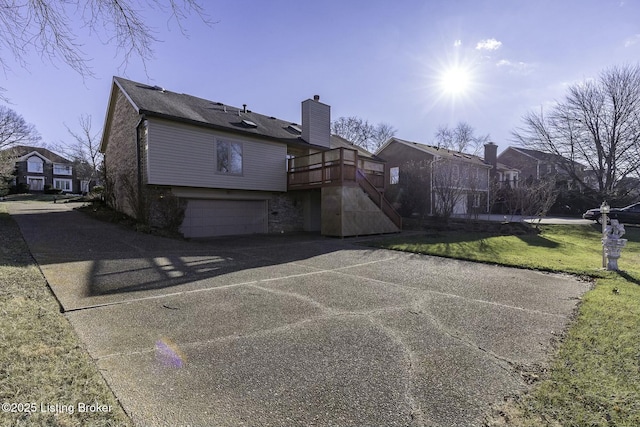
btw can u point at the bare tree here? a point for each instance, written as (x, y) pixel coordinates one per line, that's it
(597, 124)
(531, 198)
(361, 133)
(458, 184)
(383, 132)
(85, 152)
(46, 27)
(461, 138)
(14, 130)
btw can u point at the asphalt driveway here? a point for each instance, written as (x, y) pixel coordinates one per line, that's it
(293, 330)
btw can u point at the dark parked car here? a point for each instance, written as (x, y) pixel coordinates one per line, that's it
(629, 214)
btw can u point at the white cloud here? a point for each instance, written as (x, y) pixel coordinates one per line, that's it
(635, 39)
(488, 44)
(457, 43)
(515, 67)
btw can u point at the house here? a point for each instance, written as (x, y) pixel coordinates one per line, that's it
(534, 164)
(209, 169)
(37, 169)
(456, 183)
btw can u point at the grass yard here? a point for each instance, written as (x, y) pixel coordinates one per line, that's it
(42, 361)
(594, 376)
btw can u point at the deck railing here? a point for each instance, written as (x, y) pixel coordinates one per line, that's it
(378, 198)
(341, 166)
(332, 167)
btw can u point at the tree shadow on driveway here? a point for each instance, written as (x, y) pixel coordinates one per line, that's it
(90, 262)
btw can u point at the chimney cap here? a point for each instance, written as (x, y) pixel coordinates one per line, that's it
(316, 97)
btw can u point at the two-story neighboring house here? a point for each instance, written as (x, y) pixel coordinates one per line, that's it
(534, 164)
(461, 179)
(38, 169)
(214, 169)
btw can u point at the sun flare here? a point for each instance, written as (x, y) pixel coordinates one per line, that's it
(455, 80)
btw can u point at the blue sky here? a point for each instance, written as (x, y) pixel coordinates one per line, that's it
(383, 61)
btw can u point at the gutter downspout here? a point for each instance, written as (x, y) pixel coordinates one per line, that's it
(433, 199)
(141, 124)
(489, 183)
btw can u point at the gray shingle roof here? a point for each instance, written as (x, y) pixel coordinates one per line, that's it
(546, 157)
(160, 102)
(21, 150)
(443, 152)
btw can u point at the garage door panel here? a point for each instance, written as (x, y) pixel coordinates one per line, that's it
(204, 218)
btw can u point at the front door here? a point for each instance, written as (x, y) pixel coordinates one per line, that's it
(36, 184)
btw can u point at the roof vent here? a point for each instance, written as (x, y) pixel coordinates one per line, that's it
(244, 108)
(316, 97)
(159, 88)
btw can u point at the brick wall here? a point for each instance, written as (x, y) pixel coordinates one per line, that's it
(121, 157)
(526, 164)
(286, 213)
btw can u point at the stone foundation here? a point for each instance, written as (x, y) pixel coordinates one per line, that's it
(286, 213)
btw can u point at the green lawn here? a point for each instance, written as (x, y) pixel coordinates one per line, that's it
(42, 361)
(594, 376)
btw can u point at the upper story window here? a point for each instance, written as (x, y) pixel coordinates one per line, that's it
(229, 157)
(455, 173)
(35, 165)
(394, 175)
(61, 169)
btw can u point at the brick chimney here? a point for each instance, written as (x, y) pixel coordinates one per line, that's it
(491, 157)
(316, 122)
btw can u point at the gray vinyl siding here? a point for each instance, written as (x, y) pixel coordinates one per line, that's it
(316, 123)
(183, 155)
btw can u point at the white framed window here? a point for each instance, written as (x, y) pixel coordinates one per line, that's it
(62, 184)
(61, 169)
(228, 157)
(35, 164)
(394, 175)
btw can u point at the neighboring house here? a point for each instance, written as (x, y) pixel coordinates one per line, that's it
(38, 169)
(459, 178)
(211, 169)
(534, 164)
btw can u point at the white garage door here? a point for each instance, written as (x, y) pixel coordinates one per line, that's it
(205, 218)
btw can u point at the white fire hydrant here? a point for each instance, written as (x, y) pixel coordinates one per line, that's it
(613, 243)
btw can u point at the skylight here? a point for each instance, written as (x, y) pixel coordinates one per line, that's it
(249, 123)
(295, 128)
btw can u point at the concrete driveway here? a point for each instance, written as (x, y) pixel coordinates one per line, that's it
(294, 330)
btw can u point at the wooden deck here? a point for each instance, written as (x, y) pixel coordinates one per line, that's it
(341, 166)
(332, 167)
